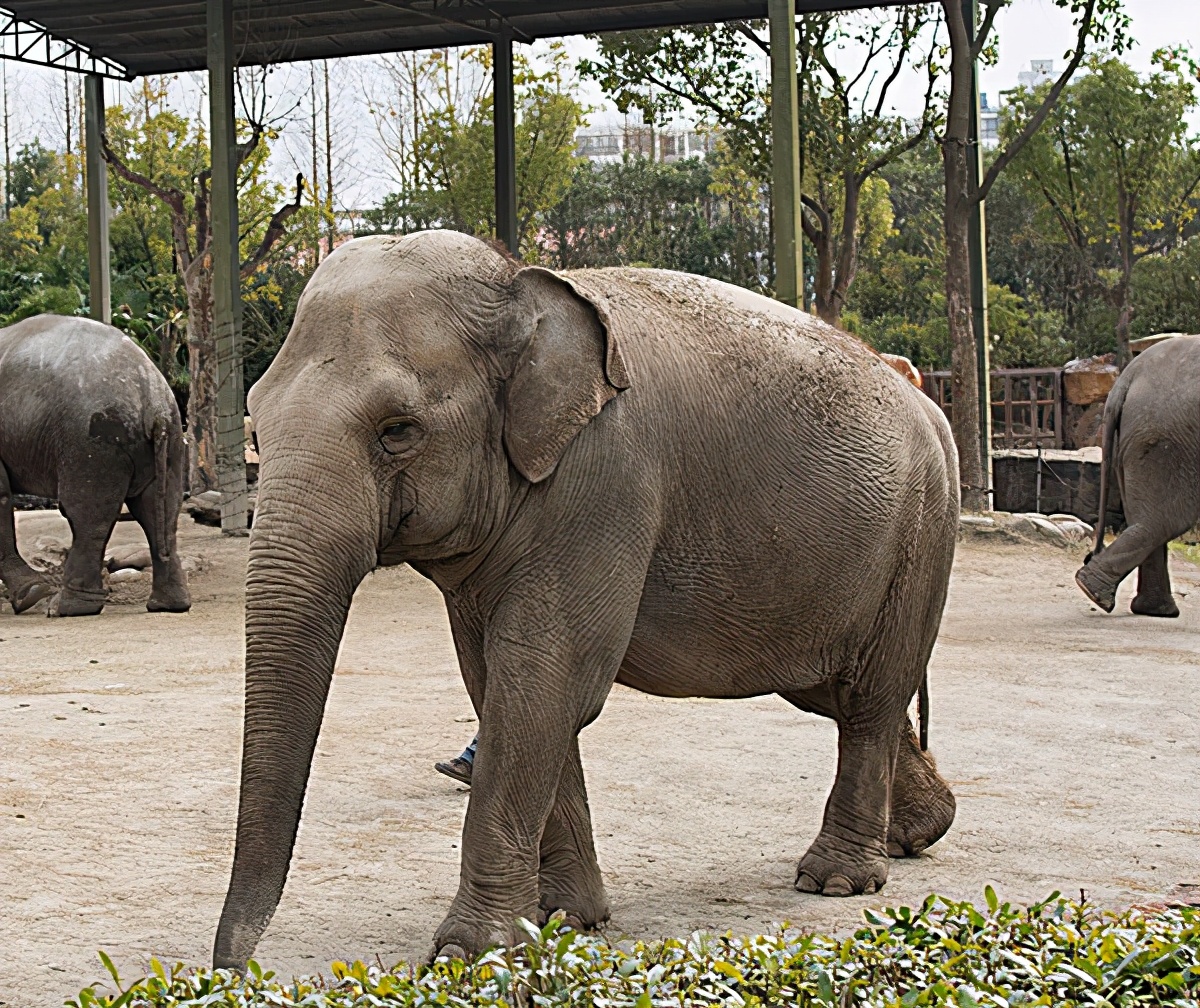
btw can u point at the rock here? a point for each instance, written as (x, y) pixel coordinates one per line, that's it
(1076, 531)
(128, 557)
(1035, 526)
(976, 521)
(1088, 380)
(49, 553)
(125, 575)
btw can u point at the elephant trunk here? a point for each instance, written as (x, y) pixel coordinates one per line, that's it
(307, 556)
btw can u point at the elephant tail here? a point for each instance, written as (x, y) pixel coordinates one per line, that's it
(162, 473)
(1112, 423)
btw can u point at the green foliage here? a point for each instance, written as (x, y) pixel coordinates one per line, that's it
(697, 216)
(943, 953)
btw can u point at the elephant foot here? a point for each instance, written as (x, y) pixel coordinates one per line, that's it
(28, 595)
(584, 911)
(923, 805)
(832, 872)
(173, 598)
(76, 603)
(1101, 592)
(1154, 605)
(463, 939)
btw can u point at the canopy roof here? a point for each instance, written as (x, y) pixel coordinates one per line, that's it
(167, 36)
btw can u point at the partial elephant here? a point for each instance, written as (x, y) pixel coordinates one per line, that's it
(1152, 458)
(87, 419)
(615, 475)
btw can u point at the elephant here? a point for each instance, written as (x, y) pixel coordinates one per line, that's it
(614, 475)
(87, 419)
(1151, 439)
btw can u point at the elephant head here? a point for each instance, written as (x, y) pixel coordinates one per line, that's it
(426, 381)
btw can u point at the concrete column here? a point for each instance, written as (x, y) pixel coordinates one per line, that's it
(785, 155)
(977, 241)
(504, 111)
(96, 171)
(226, 264)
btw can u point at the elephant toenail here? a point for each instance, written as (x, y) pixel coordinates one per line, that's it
(871, 887)
(838, 885)
(806, 883)
(896, 850)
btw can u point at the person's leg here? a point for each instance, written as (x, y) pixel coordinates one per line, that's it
(461, 766)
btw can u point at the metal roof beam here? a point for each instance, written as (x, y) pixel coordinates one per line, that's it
(30, 42)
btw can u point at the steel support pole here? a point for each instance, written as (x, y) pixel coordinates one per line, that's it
(505, 141)
(96, 172)
(226, 262)
(785, 155)
(977, 244)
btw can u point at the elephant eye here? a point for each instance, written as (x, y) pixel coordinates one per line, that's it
(399, 436)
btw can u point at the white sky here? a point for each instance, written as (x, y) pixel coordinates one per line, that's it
(1029, 29)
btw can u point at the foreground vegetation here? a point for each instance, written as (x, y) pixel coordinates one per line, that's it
(944, 953)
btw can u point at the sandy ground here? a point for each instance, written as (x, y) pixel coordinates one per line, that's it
(1070, 738)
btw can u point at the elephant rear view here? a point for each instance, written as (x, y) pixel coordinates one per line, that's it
(1152, 456)
(86, 418)
(614, 475)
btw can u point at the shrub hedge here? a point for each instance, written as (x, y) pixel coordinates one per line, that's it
(1057, 952)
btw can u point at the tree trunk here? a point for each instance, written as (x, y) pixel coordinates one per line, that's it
(964, 365)
(202, 372)
(847, 266)
(827, 308)
(1124, 305)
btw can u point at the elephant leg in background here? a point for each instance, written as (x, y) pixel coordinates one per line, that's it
(1159, 506)
(25, 586)
(92, 513)
(1153, 596)
(569, 876)
(170, 591)
(922, 804)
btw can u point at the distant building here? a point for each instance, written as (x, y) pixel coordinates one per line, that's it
(611, 143)
(989, 123)
(1038, 73)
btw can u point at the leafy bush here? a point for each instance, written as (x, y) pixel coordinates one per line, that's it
(945, 953)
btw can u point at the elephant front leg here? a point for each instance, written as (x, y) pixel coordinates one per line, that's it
(850, 854)
(26, 587)
(569, 876)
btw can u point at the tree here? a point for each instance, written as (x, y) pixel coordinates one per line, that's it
(164, 156)
(846, 132)
(1094, 19)
(1116, 174)
(436, 126)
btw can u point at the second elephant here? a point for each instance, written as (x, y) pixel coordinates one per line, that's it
(1152, 457)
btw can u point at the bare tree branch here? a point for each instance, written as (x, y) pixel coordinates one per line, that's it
(275, 230)
(1014, 146)
(171, 196)
(991, 9)
(744, 29)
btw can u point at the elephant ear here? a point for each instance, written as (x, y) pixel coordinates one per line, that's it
(567, 366)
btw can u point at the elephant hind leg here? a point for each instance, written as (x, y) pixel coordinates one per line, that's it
(922, 806)
(92, 509)
(1154, 596)
(25, 586)
(569, 876)
(170, 591)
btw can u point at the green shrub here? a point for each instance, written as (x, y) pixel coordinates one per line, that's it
(944, 953)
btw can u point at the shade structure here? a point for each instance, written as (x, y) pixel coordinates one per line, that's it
(167, 36)
(141, 37)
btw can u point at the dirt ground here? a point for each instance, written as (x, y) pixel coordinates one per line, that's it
(1070, 738)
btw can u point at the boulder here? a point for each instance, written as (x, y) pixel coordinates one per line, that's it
(1088, 380)
(124, 575)
(128, 558)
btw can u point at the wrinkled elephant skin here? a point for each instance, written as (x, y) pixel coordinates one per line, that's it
(86, 418)
(1151, 452)
(614, 475)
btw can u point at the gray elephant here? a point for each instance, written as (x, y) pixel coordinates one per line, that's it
(86, 418)
(1152, 453)
(612, 475)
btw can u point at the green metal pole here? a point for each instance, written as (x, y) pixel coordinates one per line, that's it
(505, 141)
(977, 243)
(785, 154)
(226, 263)
(96, 171)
